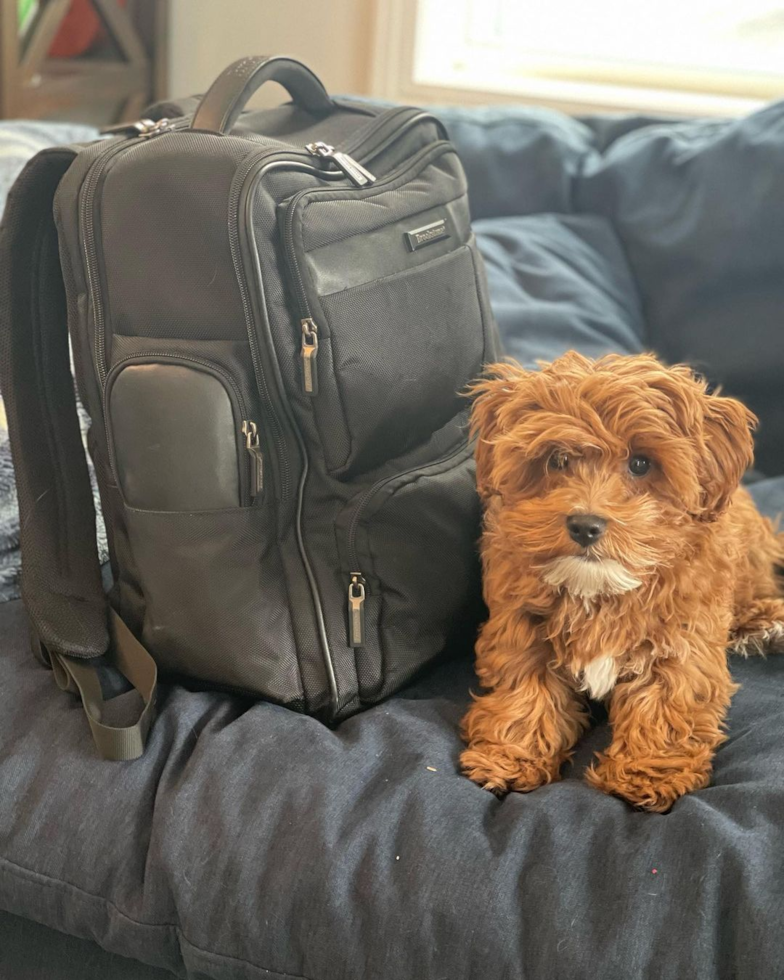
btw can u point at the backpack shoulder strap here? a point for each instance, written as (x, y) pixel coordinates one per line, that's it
(61, 575)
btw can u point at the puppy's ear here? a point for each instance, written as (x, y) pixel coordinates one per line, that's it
(729, 451)
(491, 395)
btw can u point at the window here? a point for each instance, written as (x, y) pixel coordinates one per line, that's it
(673, 56)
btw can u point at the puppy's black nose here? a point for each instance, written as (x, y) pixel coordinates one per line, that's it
(585, 529)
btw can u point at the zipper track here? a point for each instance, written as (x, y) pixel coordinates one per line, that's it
(293, 260)
(239, 409)
(361, 138)
(291, 209)
(264, 164)
(378, 485)
(247, 306)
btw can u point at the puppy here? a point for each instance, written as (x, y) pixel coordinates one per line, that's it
(621, 560)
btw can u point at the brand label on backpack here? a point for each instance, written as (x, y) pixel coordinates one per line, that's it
(427, 234)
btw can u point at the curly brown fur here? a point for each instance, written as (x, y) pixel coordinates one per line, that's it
(643, 616)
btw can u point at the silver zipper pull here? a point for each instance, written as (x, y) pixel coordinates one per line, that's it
(356, 610)
(356, 173)
(308, 354)
(140, 127)
(251, 433)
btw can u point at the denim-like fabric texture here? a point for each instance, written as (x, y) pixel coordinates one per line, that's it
(253, 842)
(769, 496)
(29, 950)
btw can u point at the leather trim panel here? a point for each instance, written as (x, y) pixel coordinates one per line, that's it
(175, 438)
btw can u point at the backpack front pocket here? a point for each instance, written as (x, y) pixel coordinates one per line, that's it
(206, 593)
(409, 552)
(387, 288)
(180, 435)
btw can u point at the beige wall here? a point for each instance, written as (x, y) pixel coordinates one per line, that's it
(331, 36)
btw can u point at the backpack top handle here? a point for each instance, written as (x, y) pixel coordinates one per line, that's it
(226, 97)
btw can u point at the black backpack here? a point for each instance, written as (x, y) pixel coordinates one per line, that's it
(273, 316)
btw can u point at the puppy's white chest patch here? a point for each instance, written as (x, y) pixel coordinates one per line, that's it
(599, 677)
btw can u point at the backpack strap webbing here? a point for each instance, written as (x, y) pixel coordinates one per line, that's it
(61, 575)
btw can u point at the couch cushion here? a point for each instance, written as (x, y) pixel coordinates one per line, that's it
(698, 209)
(559, 282)
(29, 951)
(769, 496)
(518, 160)
(253, 842)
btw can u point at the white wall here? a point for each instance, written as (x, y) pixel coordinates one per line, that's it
(331, 36)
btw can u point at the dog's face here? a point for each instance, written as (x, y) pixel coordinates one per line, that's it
(597, 468)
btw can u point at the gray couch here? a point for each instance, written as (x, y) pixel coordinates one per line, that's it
(362, 852)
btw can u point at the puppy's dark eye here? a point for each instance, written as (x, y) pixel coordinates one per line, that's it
(639, 465)
(558, 461)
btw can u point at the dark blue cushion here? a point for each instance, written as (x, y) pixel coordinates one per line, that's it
(254, 842)
(693, 229)
(698, 208)
(518, 161)
(558, 282)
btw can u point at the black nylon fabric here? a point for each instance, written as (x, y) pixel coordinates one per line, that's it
(344, 215)
(170, 214)
(371, 324)
(410, 535)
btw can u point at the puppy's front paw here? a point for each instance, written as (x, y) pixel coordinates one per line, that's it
(650, 786)
(501, 769)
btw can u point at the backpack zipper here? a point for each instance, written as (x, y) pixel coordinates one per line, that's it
(356, 610)
(139, 127)
(308, 354)
(253, 447)
(356, 173)
(357, 584)
(345, 158)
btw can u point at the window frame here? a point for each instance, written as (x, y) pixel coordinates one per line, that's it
(698, 94)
